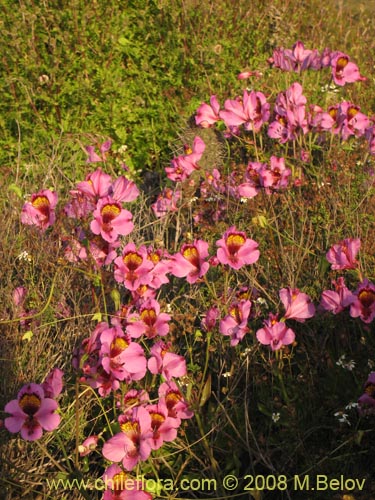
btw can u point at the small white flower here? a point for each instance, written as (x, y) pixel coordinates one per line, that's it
(246, 351)
(243, 200)
(24, 256)
(227, 374)
(261, 301)
(193, 200)
(347, 365)
(275, 417)
(370, 364)
(342, 417)
(351, 405)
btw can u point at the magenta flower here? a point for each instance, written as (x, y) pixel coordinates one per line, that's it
(366, 403)
(252, 111)
(344, 71)
(166, 202)
(236, 250)
(88, 445)
(278, 174)
(257, 176)
(364, 302)
(352, 121)
(297, 304)
(171, 396)
(297, 59)
(111, 220)
(190, 262)
(184, 165)
(208, 115)
(103, 148)
(31, 413)
(290, 111)
(150, 321)
(80, 205)
(235, 323)
(132, 444)
(165, 362)
(40, 211)
(120, 486)
(123, 190)
(121, 358)
(337, 300)
(132, 399)
(53, 383)
(164, 428)
(343, 254)
(210, 318)
(133, 267)
(276, 334)
(96, 185)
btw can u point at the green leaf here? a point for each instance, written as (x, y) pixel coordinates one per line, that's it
(27, 335)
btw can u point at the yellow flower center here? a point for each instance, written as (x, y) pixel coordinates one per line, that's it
(132, 260)
(235, 242)
(118, 345)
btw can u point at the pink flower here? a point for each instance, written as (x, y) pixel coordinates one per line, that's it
(208, 115)
(121, 358)
(88, 445)
(364, 302)
(275, 334)
(31, 413)
(343, 254)
(290, 114)
(164, 428)
(133, 267)
(252, 111)
(166, 202)
(132, 399)
(120, 486)
(190, 262)
(235, 323)
(297, 59)
(344, 71)
(257, 176)
(40, 211)
(96, 185)
(165, 362)
(171, 396)
(150, 321)
(103, 148)
(210, 318)
(337, 300)
(19, 296)
(298, 305)
(352, 121)
(123, 190)
(183, 166)
(111, 220)
(132, 444)
(53, 383)
(236, 250)
(278, 173)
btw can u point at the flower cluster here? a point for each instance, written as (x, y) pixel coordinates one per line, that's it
(299, 59)
(360, 302)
